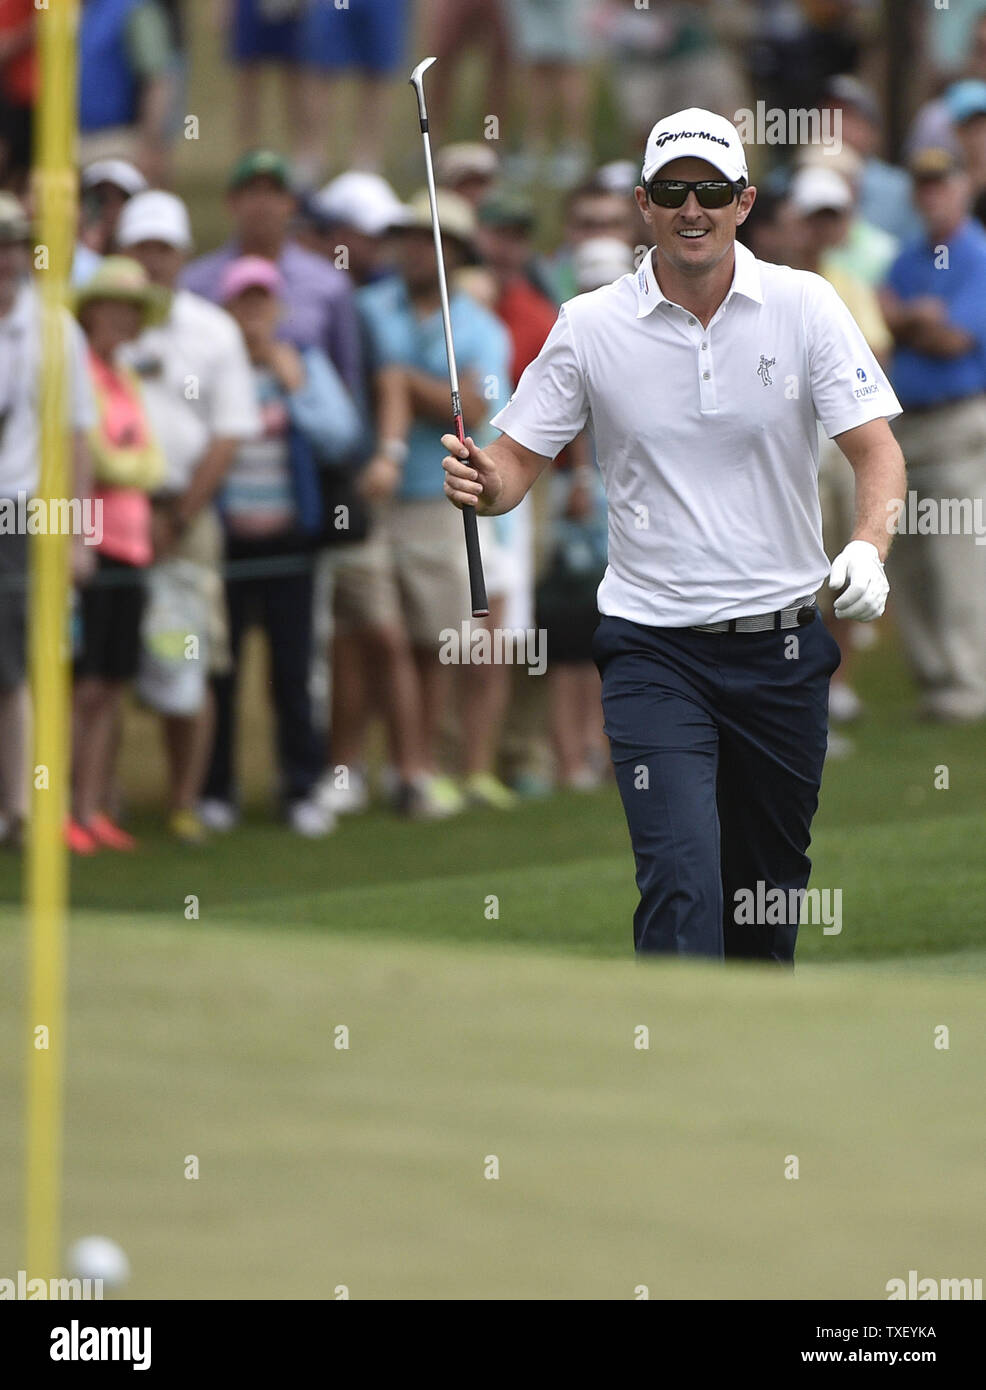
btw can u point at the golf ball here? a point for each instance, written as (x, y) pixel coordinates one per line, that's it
(98, 1257)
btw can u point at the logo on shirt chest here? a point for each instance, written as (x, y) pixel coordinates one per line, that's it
(763, 371)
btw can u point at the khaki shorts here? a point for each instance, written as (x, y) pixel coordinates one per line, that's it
(202, 544)
(410, 572)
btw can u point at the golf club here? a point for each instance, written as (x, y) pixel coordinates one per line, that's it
(477, 584)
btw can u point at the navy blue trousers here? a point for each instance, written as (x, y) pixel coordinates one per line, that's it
(718, 742)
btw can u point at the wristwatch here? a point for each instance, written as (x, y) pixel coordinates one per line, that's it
(394, 449)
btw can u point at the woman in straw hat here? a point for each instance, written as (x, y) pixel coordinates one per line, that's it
(113, 307)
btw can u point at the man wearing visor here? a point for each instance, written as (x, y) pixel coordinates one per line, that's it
(703, 375)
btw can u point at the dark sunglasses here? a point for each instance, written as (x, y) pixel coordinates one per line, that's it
(711, 193)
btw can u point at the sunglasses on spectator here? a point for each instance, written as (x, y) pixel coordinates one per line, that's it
(711, 193)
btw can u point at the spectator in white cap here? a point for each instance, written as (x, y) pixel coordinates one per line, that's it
(348, 222)
(198, 389)
(104, 187)
(823, 200)
(867, 251)
(118, 175)
(403, 593)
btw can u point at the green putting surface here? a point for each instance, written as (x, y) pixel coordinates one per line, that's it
(618, 1167)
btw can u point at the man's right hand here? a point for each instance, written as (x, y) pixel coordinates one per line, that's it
(471, 480)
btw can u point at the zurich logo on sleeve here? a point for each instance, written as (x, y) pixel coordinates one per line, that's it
(862, 391)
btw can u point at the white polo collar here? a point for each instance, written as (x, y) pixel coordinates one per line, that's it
(746, 281)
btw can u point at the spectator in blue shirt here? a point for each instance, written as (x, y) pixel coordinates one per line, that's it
(935, 294)
(935, 305)
(126, 83)
(411, 585)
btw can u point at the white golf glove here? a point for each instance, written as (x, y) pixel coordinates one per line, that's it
(858, 568)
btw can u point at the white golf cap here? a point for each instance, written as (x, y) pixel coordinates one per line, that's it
(815, 188)
(358, 199)
(618, 176)
(119, 172)
(599, 261)
(696, 134)
(154, 216)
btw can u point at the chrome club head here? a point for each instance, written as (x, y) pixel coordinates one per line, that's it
(417, 82)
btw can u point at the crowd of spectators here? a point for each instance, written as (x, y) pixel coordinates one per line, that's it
(260, 423)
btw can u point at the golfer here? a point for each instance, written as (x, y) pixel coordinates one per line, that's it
(703, 375)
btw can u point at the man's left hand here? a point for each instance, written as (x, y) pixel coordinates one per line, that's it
(858, 572)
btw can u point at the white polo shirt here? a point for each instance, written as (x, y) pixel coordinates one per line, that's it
(21, 369)
(197, 383)
(706, 437)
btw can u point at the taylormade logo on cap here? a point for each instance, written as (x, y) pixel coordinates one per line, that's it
(696, 134)
(667, 135)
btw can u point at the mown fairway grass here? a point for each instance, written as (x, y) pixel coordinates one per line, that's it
(513, 1036)
(908, 858)
(617, 1166)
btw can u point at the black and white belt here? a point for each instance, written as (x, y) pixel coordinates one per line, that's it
(799, 614)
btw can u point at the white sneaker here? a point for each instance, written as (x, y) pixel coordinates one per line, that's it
(585, 779)
(310, 819)
(845, 706)
(954, 707)
(221, 816)
(343, 801)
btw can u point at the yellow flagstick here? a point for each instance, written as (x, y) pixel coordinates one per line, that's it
(47, 866)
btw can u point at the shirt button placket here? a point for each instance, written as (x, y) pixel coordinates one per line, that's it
(706, 379)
